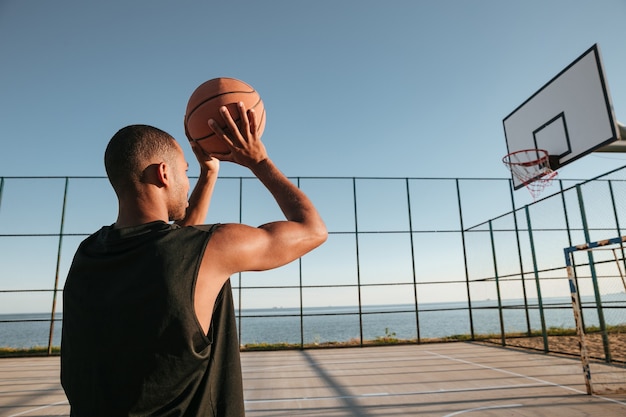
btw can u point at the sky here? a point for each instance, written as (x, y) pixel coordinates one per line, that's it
(352, 88)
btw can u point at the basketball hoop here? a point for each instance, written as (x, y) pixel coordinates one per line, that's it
(532, 168)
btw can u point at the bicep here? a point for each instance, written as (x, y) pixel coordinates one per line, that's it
(237, 247)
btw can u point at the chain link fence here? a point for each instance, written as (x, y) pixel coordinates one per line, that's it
(408, 260)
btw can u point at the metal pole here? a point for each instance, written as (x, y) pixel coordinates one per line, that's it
(519, 257)
(619, 233)
(594, 278)
(358, 268)
(1, 188)
(537, 284)
(569, 240)
(495, 269)
(467, 282)
(417, 316)
(584, 356)
(56, 275)
(301, 296)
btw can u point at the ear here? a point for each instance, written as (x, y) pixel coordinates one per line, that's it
(163, 174)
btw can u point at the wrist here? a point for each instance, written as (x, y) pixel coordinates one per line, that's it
(207, 173)
(261, 165)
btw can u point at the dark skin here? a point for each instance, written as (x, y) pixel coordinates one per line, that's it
(203, 191)
(153, 198)
(237, 247)
(233, 247)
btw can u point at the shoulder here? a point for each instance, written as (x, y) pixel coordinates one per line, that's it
(229, 233)
(200, 233)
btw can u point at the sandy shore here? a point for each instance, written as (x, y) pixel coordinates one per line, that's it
(569, 345)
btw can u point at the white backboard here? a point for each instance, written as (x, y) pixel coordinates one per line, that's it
(570, 117)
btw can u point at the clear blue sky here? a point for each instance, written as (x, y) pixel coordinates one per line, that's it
(352, 88)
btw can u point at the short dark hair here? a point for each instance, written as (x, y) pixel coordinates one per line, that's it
(131, 148)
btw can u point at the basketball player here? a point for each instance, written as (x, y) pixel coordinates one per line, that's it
(148, 321)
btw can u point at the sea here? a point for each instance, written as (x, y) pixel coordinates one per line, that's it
(319, 325)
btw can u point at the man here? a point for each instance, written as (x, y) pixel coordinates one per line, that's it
(148, 321)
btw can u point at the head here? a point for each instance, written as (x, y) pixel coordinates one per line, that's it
(138, 156)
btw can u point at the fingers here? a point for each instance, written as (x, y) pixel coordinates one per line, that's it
(241, 139)
(228, 118)
(187, 134)
(247, 126)
(208, 162)
(220, 133)
(198, 151)
(240, 132)
(253, 122)
(245, 122)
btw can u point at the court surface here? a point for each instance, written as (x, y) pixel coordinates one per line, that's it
(448, 379)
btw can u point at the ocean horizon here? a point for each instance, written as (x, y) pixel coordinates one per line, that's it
(311, 325)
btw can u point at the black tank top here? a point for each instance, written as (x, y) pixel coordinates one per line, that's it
(132, 345)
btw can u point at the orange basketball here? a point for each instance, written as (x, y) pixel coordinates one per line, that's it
(205, 102)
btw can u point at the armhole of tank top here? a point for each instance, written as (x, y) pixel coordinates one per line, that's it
(208, 337)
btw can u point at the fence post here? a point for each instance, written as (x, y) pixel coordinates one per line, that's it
(417, 315)
(580, 329)
(358, 268)
(537, 284)
(1, 188)
(569, 241)
(300, 289)
(56, 274)
(467, 281)
(495, 270)
(617, 225)
(519, 257)
(594, 277)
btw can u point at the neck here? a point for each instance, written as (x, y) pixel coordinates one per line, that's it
(139, 211)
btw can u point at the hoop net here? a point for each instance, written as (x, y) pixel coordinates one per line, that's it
(532, 168)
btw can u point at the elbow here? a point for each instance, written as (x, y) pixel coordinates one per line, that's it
(320, 234)
(314, 236)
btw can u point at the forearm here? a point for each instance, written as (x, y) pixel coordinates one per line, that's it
(294, 204)
(200, 199)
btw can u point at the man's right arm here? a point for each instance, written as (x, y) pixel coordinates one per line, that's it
(237, 247)
(245, 248)
(268, 246)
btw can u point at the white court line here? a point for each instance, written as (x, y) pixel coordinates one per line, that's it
(39, 408)
(532, 378)
(538, 382)
(469, 410)
(385, 394)
(250, 369)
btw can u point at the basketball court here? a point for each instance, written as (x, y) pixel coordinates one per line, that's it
(568, 118)
(447, 379)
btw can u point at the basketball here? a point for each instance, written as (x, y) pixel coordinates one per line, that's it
(205, 103)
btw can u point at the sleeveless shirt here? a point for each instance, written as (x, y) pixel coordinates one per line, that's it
(131, 342)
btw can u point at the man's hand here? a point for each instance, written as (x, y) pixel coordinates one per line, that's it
(243, 142)
(207, 163)
(200, 198)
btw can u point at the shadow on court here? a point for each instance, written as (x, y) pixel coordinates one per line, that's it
(444, 380)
